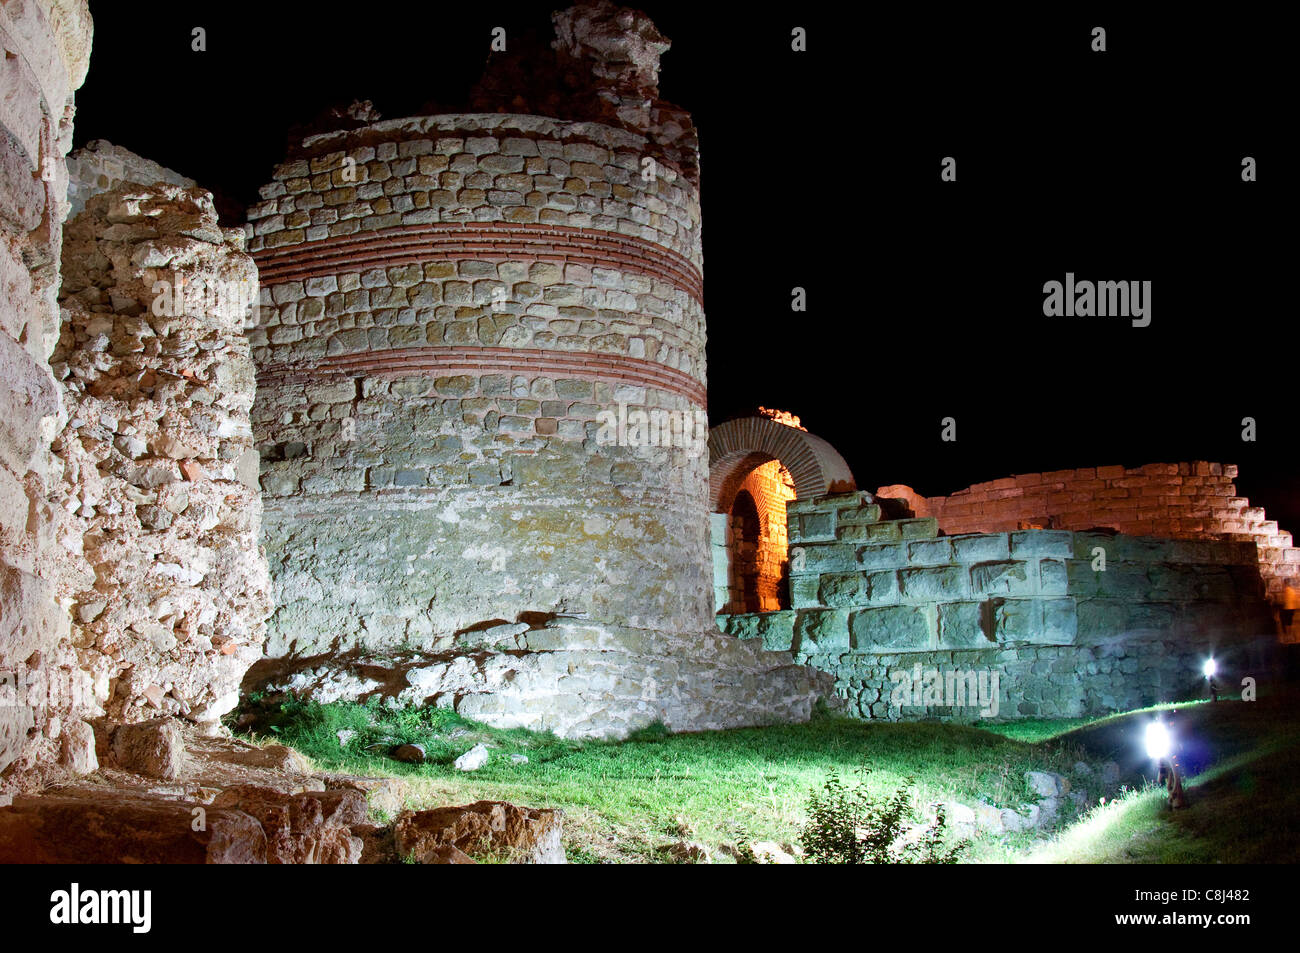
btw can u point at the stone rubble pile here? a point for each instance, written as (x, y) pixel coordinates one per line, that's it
(581, 679)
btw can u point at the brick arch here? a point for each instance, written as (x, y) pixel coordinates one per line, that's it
(738, 446)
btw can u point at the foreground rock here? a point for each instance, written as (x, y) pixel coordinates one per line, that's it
(170, 794)
(439, 836)
(118, 829)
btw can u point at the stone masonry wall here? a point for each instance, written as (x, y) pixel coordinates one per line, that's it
(438, 340)
(873, 599)
(464, 317)
(159, 470)
(46, 49)
(99, 166)
(1174, 500)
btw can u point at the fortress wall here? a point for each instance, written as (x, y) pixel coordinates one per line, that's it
(1073, 623)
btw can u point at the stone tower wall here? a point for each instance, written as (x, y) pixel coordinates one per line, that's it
(449, 304)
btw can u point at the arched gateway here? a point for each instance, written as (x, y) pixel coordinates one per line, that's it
(761, 463)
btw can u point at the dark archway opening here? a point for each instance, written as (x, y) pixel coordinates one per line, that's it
(746, 528)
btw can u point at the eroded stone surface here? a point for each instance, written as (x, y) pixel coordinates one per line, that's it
(157, 381)
(530, 835)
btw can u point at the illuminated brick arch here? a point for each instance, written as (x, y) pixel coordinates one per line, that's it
(737, 447)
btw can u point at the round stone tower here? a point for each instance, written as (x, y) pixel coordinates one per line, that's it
(482, 372)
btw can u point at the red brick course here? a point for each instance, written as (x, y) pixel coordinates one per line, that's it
(447, 361)
(485, 241)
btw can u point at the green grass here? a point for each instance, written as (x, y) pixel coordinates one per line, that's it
(624, 801)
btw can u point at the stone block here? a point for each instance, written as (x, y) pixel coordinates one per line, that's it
(842, 589)
(154, 748)
(1017, 620)
(961, 626)
(1123, 581)
(1053, 579)
(27, 398)
(1060, 622)
(1101, 619)
(824, 557)
(776, 629)
(814, 526)
(1042, 542)
(877, 533)
(981, 547)
(937, 584)
(892, 628)
(1009, 578)
(803, 591)
(821, 631)
(929, 552)
(1151, 617)
(29, 615)
(857, 515)
(1086, 543)
(926, 528)
(887, 556)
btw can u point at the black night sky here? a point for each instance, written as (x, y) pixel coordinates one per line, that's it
(821, 170)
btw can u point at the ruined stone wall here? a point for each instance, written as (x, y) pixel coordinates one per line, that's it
(99, 166)
(1068, 634)
(1174, 500)
(159, 473)
(46, 52)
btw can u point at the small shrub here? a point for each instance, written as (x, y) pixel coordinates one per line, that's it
(846, 825)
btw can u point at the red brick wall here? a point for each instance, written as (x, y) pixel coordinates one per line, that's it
(771, 487)
(1174, 500)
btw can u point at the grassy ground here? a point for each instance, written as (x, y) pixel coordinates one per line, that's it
(626, 801)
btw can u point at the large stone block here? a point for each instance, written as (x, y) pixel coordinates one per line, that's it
(961, 626)
(858, 588)
(887, 556)
(937, 584)
(1101, 619)
(1124, 581)
(1017, 620)
(926, 528)
(865, 513)
(892, 628)
(842, 589)
(822, 631)
(1053, 579)
(1010, 578)
(1042, 542)
(818, 525)
(877, 533)
(823, 557)
(929, 552)
(119, 829)
(1060, 622)
(803, 591)
(980, 548)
